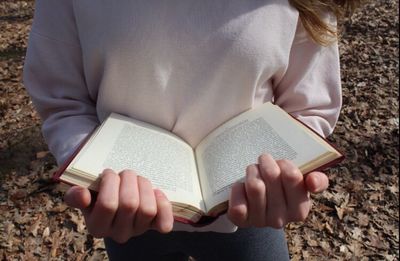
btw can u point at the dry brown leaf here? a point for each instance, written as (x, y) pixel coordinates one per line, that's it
(61, 207)
(41, 154)
(46, 232)
(33, 229)
(55, 242)
(363, 219)
(78, 221)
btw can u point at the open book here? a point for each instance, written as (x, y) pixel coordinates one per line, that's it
(197, 180)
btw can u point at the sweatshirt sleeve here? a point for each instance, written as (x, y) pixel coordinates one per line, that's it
(310, 89)
(54, 78)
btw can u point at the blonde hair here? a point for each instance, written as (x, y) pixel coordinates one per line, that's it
(311, 15)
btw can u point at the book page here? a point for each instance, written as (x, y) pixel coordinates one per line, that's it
(162, 157)
(223, 156)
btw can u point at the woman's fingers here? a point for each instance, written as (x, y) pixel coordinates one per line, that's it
(78, 197)
(316, 182)
(100, 219)
(238, 210)
(296, 194)
(128, 205)
(276, 201)
(274, 193)
(125, 206)
(147, 210)
(256, 196)
(164, 220)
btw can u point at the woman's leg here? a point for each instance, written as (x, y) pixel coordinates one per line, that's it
(244, 244)
(150, 246)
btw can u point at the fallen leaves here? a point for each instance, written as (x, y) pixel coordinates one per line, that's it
(360, 211)
(39, 225)
(356, 219)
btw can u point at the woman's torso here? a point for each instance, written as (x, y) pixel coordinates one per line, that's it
(186, 66)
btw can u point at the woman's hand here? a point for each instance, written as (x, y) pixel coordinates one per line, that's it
(273, 194)
(126, 206)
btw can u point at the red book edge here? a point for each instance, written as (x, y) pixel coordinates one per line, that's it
(204, 220)
(329, 164)
(56, 176)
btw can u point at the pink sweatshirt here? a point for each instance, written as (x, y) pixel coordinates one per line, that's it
(185, 67)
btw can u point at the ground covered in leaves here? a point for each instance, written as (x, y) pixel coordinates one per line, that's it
(357, 218)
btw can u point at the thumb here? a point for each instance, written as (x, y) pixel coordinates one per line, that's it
(316, 182)
(78, 197)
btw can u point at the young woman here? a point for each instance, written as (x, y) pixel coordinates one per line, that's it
(186, 66)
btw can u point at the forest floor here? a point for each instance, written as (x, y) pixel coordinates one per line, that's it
(356, 218)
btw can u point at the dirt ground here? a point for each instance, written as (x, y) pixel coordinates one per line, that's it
(356, 218)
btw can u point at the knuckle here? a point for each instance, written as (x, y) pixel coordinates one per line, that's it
(148, 212)
(164, 205)
(292, 175)
(255, 187)
(272, 172)
(107, 206)
(285, 164)
(129, 206)
(278, 223)
(269, 166)
(276, 171)
(238, 214)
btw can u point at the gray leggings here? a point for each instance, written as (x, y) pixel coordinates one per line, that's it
(244, 244)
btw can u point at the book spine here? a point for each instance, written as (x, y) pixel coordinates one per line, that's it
(203, 221)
